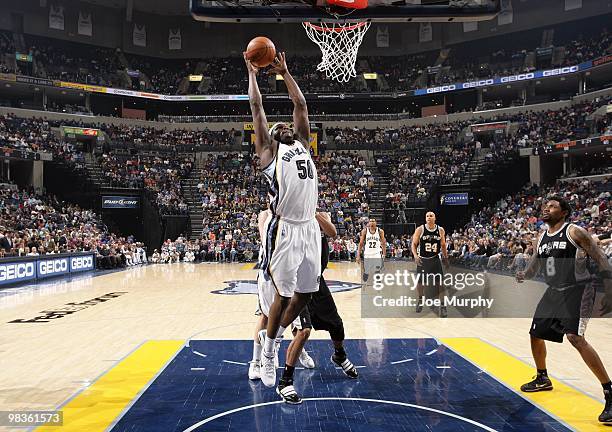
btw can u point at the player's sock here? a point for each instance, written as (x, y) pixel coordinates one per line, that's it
(607, 387)
(268, 345)
(339, 352)
(543, 372)
(288, 374)
(280, 331)
(256, 351)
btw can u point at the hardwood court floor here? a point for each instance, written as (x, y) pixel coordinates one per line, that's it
(48, 359)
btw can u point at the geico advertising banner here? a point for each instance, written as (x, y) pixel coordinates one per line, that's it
(11, 272)
(82, 263)
(506, 79)
(120, 202)
(45, 266)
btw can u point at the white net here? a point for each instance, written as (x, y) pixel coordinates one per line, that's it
(339, 43)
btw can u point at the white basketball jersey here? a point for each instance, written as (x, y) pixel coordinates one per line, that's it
(294, 184)
(373, 247)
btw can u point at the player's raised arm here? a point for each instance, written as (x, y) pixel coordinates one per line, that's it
(327, 226)
(263, 143)
(301, 125)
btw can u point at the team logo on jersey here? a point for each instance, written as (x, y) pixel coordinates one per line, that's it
(250, 287)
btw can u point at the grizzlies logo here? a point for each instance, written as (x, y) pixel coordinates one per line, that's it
(250, 287)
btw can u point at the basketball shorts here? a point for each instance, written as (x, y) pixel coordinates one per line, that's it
(431, 271)
(372, 265)
(303, 321)
(324, 313)
(293, 255)
(563, 311)
(265, 295)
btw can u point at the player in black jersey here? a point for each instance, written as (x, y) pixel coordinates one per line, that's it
(564, 310)
(428, 242)
(321, 314)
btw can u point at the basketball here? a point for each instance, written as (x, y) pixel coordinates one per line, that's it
(261, 51)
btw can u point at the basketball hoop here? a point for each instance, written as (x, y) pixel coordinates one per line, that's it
(339, 43)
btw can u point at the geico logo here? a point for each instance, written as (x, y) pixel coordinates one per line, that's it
(16, 271)
(477, 83)
(52, 266)
(520, 77)
(441, 89)
(560, 71)
(81, 262)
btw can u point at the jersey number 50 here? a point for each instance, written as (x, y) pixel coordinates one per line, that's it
(304, 169)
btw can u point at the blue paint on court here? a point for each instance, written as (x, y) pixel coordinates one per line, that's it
(437, 390)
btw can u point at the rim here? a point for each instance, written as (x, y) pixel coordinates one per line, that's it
(340, 28)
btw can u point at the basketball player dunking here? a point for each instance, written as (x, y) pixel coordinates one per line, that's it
(293, 239)
(374, 246)
(428, 242)
(567, 304)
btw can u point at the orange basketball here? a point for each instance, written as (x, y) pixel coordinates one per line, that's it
(261, 51)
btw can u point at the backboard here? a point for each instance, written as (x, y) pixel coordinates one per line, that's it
(288, 11)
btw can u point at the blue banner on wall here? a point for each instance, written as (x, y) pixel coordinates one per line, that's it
(506, 79)
(120, 202)
(459, 198)
(23, 269)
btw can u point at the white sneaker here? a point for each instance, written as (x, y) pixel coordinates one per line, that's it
(267, 370)
(254, 370)
(306, 360)
(277, 344)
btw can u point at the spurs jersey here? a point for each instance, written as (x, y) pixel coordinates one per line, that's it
(373, 247)
(293, 183)
(430, 242)
(563, 261)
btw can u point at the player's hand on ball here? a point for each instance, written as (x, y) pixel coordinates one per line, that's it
(250, 67)
(280, 64)
(520, 276)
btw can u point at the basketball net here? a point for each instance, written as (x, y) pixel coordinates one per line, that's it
(339, 43)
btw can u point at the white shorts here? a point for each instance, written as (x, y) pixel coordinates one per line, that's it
(265, 295)
(293, 256)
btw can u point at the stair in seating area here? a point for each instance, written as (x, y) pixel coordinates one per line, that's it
(189, 186)
(378, 194)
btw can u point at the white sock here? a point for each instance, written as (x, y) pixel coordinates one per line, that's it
(280, 332)
(256, 351)
(268, 347)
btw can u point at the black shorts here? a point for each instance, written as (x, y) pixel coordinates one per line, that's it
(305, 319)
(323, 311)
(429, 268)
(563, 311)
